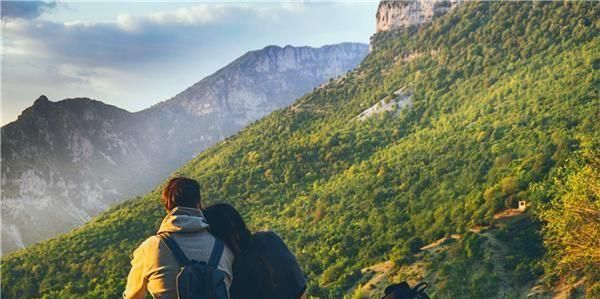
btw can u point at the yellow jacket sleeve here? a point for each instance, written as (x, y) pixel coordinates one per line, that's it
(137, 281)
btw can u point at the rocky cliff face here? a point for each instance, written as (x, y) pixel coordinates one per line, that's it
(249, 88)
(60, 166)
(395, 14)
(64, 162)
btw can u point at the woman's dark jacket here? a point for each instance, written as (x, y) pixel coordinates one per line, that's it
(267, 270)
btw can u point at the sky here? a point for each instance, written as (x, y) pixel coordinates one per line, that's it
(135, 54)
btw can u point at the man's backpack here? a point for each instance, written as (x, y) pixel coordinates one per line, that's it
(404, 291)
(198, 280)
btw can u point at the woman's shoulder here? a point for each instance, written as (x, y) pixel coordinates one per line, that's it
(270, 244)
(267, 236)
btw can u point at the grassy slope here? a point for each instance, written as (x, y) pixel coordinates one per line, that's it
(498, 104)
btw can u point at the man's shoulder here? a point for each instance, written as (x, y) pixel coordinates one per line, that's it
(152, 242)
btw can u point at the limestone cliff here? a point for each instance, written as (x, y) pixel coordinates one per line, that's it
(395, 14)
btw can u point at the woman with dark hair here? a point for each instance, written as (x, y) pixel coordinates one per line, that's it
(263, 266)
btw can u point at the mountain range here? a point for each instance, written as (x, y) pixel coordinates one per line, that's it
(410, 167)
(64, 162)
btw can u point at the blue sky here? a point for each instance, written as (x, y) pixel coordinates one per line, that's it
(135, 54)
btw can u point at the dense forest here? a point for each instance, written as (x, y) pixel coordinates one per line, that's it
(504, 97)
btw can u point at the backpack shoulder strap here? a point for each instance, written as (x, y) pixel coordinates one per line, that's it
(174, 249)
(217, 252)
(421, 287)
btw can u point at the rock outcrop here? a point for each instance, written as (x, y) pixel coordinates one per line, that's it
(395, 14)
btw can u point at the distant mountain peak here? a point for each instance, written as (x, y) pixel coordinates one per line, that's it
(41, 100)
(266, 79)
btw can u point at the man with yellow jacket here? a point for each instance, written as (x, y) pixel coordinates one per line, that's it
(154, 268)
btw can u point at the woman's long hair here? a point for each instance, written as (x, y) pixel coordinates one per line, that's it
(228, 225)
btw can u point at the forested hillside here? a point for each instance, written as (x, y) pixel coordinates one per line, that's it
(501, 94)
(77, 157)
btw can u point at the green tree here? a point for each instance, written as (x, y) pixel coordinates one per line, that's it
(572, 219)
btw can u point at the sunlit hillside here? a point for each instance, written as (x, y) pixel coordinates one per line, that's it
(487, 102)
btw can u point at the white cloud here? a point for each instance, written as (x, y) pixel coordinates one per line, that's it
(199, 14)
(294, 6)
(128, 22)
(195, 15)
(80, 23)
(209, 13)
